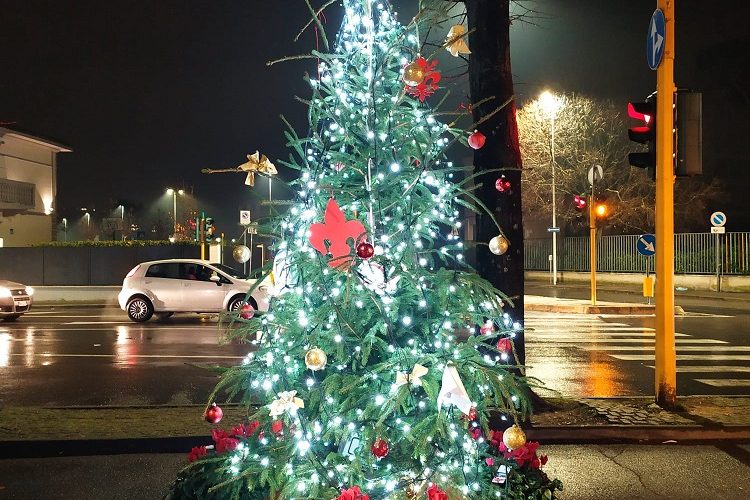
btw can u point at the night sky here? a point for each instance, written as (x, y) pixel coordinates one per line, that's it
(149, 93)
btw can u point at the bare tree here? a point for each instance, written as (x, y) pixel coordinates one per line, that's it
(592, 132)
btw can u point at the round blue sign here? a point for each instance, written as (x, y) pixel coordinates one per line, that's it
(646, 245)
(655, 39)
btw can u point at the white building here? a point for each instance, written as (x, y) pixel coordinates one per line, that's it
(28, 187)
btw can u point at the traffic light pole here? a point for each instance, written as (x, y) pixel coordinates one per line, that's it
(592, 242)
(665, 354)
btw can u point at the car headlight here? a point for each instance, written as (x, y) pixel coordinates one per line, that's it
(5, 292)
(29, 291)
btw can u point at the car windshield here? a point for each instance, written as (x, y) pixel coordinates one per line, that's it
(229, 270)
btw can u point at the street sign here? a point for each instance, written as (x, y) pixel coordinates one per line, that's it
(595, 174)
(646, 245)
(553, 229)
(252, 228)
(718, 219)
(718, 230)
(657, 29)
(244, 217)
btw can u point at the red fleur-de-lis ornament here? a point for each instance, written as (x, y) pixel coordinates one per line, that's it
(332, 236)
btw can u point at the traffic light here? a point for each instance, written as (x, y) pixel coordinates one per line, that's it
(689, 134)
(579, 202)
(601, 210)
(210, 229)
(644, 133)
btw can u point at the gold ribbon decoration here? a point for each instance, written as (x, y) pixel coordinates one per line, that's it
(286, 402)
(455, 42)
(417, 373)
(257, 163)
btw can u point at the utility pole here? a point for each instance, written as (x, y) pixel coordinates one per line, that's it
(665, 354)
(592, 239)
(491, 85)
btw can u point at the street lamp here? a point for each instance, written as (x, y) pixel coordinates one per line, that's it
(262, 254)
(122, 219)
(174, 193)
(551, 104)
(65, 229)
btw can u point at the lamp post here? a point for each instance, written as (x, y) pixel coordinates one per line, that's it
(551, 105)
(65, 229)
(122, 219)
(174, 193)
(262, 254)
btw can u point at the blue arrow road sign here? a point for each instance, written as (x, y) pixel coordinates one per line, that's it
(646, 245)
(655, 39)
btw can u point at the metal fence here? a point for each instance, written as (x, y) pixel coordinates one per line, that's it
(695, 253)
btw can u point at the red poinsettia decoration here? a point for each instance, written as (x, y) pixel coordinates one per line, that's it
(197, 452)
(429, 85)
(353, 493)
(332, 236)
(277, 426)
(245, 430)
(524, 456)
(435, 493)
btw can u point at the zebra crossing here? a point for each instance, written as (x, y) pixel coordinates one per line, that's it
(704, 360)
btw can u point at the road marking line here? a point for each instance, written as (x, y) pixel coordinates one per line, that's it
(587, 335)
(725, 382)
(712, 369)
(125, 356)
(685, 357)
(741, 348)
(572, 340)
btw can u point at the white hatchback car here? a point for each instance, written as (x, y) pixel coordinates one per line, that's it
(164, 287)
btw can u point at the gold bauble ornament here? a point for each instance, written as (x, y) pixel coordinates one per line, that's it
(413, 74)
(499, 245)
(514, 437)
(315, 359)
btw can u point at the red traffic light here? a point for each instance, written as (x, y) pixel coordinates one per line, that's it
(639, 113)
(579, 202)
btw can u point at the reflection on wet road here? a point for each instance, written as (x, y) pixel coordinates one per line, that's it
(605, 356)
(96, 356)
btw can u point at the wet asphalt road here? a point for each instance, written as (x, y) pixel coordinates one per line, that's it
(604, 356)
(95, 356)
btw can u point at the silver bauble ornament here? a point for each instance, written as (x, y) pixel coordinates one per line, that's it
(241, 254)
(499, 245)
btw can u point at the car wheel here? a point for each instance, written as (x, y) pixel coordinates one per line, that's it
(140, 309)
(237, 302)
(164, 315)
(12, 317)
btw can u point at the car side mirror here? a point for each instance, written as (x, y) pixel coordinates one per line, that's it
(216, 279)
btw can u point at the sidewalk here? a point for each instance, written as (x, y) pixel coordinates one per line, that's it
(538, 303)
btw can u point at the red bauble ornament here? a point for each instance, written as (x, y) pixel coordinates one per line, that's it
(504, 345)
(247, 311)
(213, 414)
(379, 448)
(365, 250)
(477, 139)
(502, 184)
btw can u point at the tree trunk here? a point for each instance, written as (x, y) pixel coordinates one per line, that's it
(490, 77)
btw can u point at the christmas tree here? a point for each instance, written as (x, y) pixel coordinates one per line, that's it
(376, 370)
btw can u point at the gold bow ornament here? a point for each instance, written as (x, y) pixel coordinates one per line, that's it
(455, 42)
(417, 372)
(286, 402)
(257, 163)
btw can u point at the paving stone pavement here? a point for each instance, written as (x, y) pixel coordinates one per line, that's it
(627, 412)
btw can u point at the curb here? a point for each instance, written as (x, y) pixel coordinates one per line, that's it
(641, 434)
(610, 434)
(589, 309)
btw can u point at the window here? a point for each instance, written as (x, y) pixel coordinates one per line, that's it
(165, 270)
